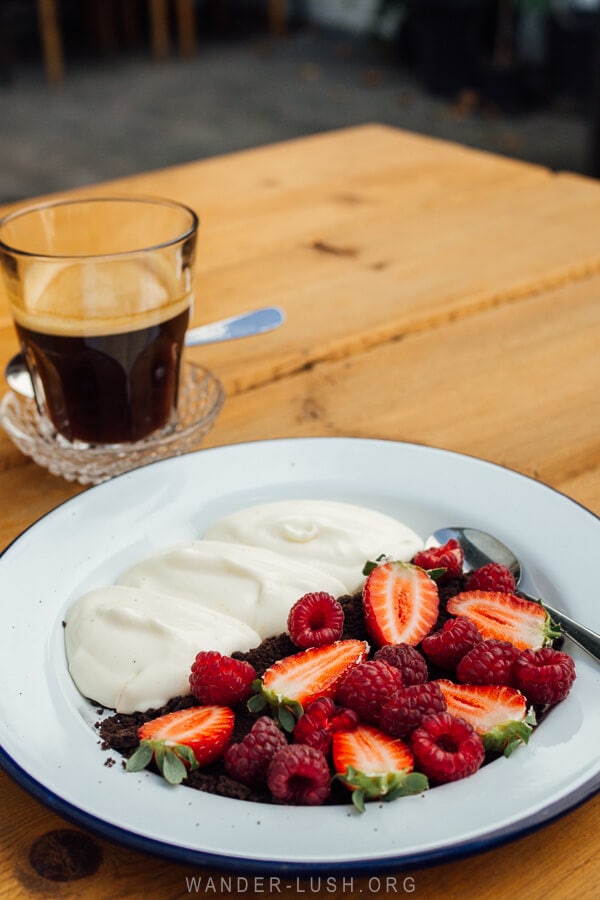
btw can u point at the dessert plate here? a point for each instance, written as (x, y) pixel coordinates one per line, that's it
(47, 736)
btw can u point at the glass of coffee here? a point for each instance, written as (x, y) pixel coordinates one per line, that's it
(100, 290)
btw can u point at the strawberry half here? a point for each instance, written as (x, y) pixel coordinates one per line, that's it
(182, 740)
(292, 683)
(400, 603)
(496, 712)
(506, 617)
(375, 766)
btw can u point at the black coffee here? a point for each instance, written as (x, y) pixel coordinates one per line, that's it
(109, 389)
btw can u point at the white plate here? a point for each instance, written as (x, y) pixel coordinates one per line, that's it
(47, 737)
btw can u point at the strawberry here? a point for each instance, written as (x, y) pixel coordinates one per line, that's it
(506, 617)
(295, 681)
(400, 603)
(375, 766)
(496, 712)
(189, 738)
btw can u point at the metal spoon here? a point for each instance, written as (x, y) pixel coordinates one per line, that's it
(480, 548)
(258, 321)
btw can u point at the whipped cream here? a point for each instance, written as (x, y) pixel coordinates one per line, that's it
(256, 586)
(336, 537)
(130, 646)
(131, 649)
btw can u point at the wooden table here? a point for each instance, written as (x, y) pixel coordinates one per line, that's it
(433, 294)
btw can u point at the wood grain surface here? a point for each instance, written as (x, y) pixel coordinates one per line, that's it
(433, 294)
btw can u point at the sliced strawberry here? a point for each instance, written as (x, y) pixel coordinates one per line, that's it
(182, 740)
(496, 712)
(374, 765)
(505, 617)
(292, 683)
(400, 603)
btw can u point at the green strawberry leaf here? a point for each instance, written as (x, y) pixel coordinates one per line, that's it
(530, 718)
(386, 786)
(159, 753)
(284, 710)
(171, 767)
(512, 746)
(286, 719)
(434, 574)
(358, 800)
(186, 754)
(370, 565)
(552, 630)
(170, 759)
(256, 703)
(287, 712)
(140, 758)
(414, 783)
(507, 737)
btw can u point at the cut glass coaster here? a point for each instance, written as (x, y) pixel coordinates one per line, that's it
(201, 397)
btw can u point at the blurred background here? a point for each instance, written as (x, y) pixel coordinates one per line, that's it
(97, 89)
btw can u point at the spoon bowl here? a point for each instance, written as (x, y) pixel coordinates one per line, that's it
(259, 321)
(480, 548)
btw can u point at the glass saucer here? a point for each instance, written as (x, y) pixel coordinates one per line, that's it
(201, 397)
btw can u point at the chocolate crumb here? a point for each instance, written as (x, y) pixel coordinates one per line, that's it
(268, 652)
(354, 620)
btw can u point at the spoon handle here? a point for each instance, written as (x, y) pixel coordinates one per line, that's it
(584, 637)
(256, 322)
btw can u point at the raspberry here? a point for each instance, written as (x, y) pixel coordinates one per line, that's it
(446, 648)
(249, 760)
(318, 722)
(299, 774)
(220, 680)
(491, 577)
(320, 710)
(545, 676)
(446, 748)
(306, 731)
(407, 660)
(315, 619)
(406, 711)
(488, 662)
(449, 557)
(343, 719)
(367, 687)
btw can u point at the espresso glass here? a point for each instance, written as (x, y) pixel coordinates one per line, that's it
(100, 290)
